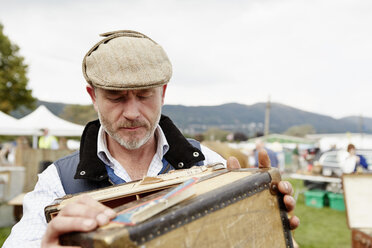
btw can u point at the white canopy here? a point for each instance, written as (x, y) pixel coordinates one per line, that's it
(43, 118)
(38, 119)
(5, 117)
(8, 124)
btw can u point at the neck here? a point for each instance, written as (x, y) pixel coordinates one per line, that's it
(136, 162)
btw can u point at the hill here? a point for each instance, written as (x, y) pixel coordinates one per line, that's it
(365, 123)
(55, 107)
(245, 118)
(250, 118)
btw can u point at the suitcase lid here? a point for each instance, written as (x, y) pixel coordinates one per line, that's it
(358, 199)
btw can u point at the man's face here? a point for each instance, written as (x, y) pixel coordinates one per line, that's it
(130, 117)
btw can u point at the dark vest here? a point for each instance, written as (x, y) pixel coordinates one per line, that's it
(83, 171)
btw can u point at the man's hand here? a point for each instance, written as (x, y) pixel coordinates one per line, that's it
(285, 187)
(83, 215)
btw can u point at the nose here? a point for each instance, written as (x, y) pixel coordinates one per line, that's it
(131, 109)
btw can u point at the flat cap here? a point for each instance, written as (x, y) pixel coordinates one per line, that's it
(126, 60)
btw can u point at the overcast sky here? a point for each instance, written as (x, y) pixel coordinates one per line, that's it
(315, 55)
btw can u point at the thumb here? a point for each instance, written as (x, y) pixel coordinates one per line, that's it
(263, 159)
(232, 163)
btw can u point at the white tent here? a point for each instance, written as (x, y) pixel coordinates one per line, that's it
(8, 124)
(43, 118)
(31, 124)
(5, 117)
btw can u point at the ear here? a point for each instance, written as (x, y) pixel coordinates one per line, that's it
(162, 97)
(92, 95)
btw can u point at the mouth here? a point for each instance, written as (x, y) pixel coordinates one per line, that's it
(131, 128)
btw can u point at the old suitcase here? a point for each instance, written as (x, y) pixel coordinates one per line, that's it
(358, 203)
(230, 208)
(118, 195)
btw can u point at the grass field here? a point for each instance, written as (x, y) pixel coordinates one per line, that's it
(4, 233)
(324, 227)
(319, 228)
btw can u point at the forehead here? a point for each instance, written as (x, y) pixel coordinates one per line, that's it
(125, 92)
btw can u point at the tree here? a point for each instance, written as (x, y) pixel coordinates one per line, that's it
(13, 79)
(80, 114)
(214, 133)
(239, 136)
(300, 130)
(199, 137)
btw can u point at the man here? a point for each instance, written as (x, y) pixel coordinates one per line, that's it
(272, 155)
(127, 75)
(47, 141)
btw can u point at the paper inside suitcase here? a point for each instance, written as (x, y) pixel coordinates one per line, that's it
(238, 208)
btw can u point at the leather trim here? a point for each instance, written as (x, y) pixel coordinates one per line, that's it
(198, 207)
(285, 221)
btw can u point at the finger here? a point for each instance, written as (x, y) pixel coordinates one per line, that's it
(79, 210)
(232, 163)
(263, 159)
(101, 215)
(289, 202)
(64, 224)
(294, 222)
(89, 201)
(86, 206)
(285, 188)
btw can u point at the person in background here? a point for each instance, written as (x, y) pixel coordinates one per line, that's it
(272, 155)
(296, 159)
(7, 153)
(333, 148)
(48, 141)
(354, 162)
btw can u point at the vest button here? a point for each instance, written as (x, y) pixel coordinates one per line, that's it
(180, 165)
(82, 173)
(101, 177)
(195, 154)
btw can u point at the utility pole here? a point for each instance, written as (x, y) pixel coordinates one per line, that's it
(361, 131)
(361, 125)
(267, 117)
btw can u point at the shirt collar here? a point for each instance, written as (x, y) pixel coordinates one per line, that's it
(104, 154)
(90, 167)
(102, 151)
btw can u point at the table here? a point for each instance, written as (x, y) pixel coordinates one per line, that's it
(316, 180)
(17, 203)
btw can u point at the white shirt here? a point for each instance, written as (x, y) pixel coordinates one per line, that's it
(29, 231)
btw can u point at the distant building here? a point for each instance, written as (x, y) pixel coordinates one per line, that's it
(341, 140)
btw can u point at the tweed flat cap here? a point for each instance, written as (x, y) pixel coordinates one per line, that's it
(126, 60)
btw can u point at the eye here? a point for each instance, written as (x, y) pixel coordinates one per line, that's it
(115, 99)
(144, 95)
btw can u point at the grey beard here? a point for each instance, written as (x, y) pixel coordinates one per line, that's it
(131, 145)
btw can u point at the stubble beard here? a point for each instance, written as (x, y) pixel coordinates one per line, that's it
(134, 143)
